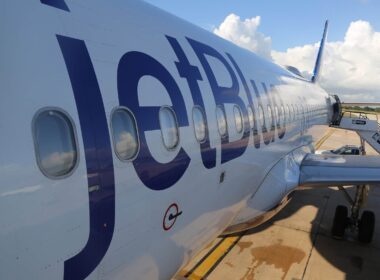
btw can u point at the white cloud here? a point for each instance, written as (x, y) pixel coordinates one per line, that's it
(126, 145)
(351, 68)
(245, 34)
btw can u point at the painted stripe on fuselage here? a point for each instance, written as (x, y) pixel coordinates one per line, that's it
(98, 154)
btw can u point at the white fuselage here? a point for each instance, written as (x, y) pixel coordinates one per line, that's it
(105, 219)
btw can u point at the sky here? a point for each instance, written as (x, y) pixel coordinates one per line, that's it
(288, 32)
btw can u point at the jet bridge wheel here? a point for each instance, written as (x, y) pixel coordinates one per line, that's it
(366, 227)
(340, 222)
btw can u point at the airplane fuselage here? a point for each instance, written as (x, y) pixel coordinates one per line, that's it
(145, 214)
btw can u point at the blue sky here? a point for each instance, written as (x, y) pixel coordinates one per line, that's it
(288, 33)
(289, 23)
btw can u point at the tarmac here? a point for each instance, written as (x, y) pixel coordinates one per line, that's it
(296, 243)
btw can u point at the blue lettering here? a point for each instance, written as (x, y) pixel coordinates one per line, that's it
(224, 95)
(192, 75)
(59, 4)
(256, 136)
(98, 156)
(132, 67)
(281, 127)
(271, 132)
(264, 129)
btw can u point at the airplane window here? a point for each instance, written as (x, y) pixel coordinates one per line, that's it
(298, 112)
(124, 134)
(302, 112)
(278, 114)
(254, 117)
(251, 116)
(222, 123)
(169, 127)
(270, 116)
(199, 124)
(238, 119)
(291, 113)
(261, 115)
(303, 116)
(283, 113)
(55, 143)
(294, 112)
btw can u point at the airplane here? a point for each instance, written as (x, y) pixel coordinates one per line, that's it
(130, 139)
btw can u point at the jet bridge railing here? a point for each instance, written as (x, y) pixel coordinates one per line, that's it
(358, 121)
(365, 124)
(360, 115)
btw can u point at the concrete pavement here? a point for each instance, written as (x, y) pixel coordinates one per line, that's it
(296, 244)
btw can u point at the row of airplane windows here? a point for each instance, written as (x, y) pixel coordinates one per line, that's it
(56, 145)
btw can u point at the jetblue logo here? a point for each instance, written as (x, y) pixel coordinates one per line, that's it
(135, 65)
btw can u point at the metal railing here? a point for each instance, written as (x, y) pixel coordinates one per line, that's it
(360, 115)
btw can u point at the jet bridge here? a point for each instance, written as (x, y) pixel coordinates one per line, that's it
(359, 170)
(365, 124)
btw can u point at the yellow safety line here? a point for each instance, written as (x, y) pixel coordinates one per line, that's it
(217, 253)
(323, 139)
(203, 268)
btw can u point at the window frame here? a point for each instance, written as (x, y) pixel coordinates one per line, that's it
(289, 115)
(176, 124)
(251, 122)
(241, 119)
(36, 145)
(262, 117)
(277, 115)
(271, 118)
(113, 135)
(205, 123)
(225, 120)
(293, 113)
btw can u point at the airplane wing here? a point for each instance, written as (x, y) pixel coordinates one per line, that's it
(337, 170)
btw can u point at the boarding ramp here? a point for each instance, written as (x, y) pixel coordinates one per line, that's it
(365, 124)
